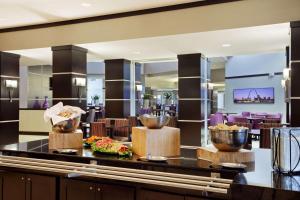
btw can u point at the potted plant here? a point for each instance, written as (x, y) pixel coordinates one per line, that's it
(96, 100)
(146, 99)
(168, 97)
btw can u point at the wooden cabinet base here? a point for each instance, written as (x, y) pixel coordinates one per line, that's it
(65, 140)
(157, 142)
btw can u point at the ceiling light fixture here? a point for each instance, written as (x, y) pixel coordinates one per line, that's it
(136, 52)
(226, 45)
(84, 4)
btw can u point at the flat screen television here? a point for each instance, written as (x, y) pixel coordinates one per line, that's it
(254, 95)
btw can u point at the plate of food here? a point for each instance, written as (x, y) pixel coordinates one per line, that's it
(87, 143)
(106, 145)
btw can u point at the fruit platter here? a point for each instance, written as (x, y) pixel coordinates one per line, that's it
(106, 145)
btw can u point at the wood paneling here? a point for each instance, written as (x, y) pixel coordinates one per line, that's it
(69, 59)
(9, 133)
(189, 65)
(295, 43)
(14, 186)
(117, 109)
(9, 66)
(116, 71)
(189, 88)
(295, 112)
(191, 133)
(190, 110)
(155, 195)
(192, 97)
(295, 74)
(117, 90)
(295, 80)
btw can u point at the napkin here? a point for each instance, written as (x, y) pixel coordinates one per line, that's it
(52, 114)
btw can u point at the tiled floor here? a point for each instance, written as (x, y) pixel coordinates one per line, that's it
(27, 138)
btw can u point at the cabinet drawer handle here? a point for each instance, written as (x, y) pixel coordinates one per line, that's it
(99, 189)
(91, 188)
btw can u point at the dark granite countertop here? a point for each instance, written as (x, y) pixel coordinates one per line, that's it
(258, 174)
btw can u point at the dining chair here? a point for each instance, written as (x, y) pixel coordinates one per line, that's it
(121, 128)
(246, 114)
(172, 122)
(241, 119)
(265, 134)
(86, 126)
(272, 120)
(98, 129)
(216, 119)
(231, 118)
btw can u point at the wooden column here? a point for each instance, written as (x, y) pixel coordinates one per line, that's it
(117, 88)
(295, 74)
(69, 62)
(9, 100)
(138, 81)
(192, 92)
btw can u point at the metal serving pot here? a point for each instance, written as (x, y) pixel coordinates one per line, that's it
(67, 126)
(154, 122)
(229, 140)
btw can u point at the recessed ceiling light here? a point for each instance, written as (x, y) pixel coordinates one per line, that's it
(84, 4)
(226, 45)
(136, 52)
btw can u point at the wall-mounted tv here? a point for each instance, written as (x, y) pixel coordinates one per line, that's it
(254, 95)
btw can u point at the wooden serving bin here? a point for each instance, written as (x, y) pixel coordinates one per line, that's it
(216, 156)
(65, 140)
(157, 142)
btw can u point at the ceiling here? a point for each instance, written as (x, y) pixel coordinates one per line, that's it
(31, 12)
(250, 40)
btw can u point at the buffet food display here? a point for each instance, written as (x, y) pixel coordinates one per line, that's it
(107, 145)
(64, 119)
(228, 138)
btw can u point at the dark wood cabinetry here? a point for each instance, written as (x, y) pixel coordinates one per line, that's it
(82, 190)
(18, 186)
(154, 195)
(23, 186)
(13, 186)
(197, 198)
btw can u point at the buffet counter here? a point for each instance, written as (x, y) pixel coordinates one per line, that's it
(183, 177)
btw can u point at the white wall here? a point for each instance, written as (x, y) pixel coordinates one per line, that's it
(95, 68)
(160, 67)
(251, 65)
(95, 81)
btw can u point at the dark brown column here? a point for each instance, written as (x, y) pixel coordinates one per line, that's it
(69, 63)
(138, 83)
(295, 74)
(117, 88)
(191, 109)
(9, 100)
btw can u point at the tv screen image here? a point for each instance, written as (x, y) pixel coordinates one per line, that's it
(254, 95)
